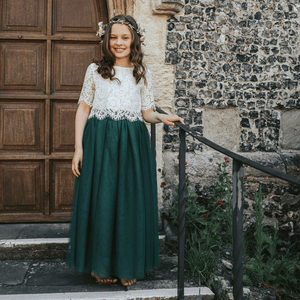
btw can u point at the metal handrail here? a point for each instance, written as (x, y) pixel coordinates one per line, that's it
(237, 203)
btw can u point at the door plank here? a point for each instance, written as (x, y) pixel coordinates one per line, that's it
(27, 156)
(63, 129)
(76, 16)
(62, 186)
(23, 66)
(58, 37)
(22, 127)
(23, 15)
(21, 186)
(70, 62)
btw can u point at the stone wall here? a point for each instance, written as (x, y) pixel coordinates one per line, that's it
(242, 56)
(237, 82)
(232, 70)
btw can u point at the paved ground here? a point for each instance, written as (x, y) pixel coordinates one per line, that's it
(34, 231)
(37, 274)
(55, 276)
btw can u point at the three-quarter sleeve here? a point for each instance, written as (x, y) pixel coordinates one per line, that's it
(88, 88)
(147, 93)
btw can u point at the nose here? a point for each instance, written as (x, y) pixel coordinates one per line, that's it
(119, 41)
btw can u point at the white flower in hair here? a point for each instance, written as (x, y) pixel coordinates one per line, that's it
(141, 31)
(101, 30)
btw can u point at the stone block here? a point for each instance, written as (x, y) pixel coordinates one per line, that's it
(13, 232)
(290, 130)
(13, 272)
(222, 127)
(200, 167)
(56, 273)
(271, 160)
(167, 7)
(60, 230)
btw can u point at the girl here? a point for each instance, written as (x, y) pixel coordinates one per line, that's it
(114, 228)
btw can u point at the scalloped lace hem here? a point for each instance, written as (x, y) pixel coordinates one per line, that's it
(150, 105)
(116, 115)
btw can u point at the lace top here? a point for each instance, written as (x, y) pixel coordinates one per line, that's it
(118, 100)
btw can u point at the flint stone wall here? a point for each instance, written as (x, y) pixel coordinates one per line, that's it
(240, 55)
(237, 82)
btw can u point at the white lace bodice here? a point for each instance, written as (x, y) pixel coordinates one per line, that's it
(118, 100)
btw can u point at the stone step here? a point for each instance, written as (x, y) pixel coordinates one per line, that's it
(49, 248)
(157, 294)
(36, 241)
(33, 241)
(39, 249)
(34, 231)
(21, 279)
(32, 266)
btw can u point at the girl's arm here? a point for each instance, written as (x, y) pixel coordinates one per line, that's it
(82, 114)
(152, 116)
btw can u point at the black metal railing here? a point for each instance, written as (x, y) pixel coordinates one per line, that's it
(237, 203)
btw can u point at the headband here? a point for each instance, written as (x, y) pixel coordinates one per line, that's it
(139, 30)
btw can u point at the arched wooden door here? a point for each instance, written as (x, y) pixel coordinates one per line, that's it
(45, 48)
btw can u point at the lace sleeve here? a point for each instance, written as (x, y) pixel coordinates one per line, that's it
(147, 93)
(88, 88)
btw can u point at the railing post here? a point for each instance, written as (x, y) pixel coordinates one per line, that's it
(237, 229)
(181, 215)
(153, 136)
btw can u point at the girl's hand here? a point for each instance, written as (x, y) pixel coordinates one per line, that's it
(170, 119)
(77, 161)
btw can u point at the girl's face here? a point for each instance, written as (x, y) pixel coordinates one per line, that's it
(119, 43)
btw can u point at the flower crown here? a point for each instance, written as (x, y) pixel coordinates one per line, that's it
(139, 30)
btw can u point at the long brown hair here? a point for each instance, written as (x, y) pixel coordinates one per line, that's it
(105, 65)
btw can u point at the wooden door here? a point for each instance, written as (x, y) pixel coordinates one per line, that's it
(45, 48)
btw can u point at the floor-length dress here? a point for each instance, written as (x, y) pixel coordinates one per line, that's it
(114, 226)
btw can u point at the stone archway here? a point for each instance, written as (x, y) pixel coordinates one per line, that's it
(161, 7)
(116, 7)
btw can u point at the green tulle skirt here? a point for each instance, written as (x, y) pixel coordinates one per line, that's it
(114, 227)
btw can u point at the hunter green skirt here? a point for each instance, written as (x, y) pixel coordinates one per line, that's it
(114, 226)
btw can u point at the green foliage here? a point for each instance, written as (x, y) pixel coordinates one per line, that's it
(222, 191)
(201, 260)
(204, 222)
(247, 280)
(209, 226)
(266, 265)
(260, 237)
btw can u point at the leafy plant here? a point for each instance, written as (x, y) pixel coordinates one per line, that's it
(201, 260)
(267, 266)
(209, 225)
(204, 222)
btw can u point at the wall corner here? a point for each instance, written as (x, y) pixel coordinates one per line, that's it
(167, 7)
